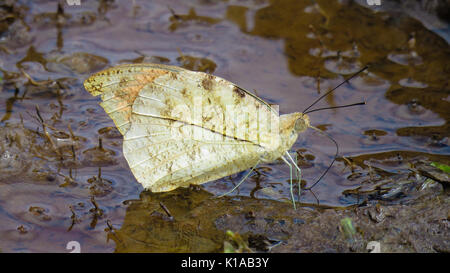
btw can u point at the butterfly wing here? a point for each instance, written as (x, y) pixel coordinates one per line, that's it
(164, 154)
(196, 98)
(120, 85)
(182, 127)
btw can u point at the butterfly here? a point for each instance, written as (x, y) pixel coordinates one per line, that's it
(182, 127)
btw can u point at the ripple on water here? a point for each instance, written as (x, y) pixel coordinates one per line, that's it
(414, 111)
(342, 65)
(370, 82)
(99, 186)
(23, 233)
(38, 210)
(376, 137)
(410, 82)
(314, 83)
(78, 62)
(110, 132)
(99, 156)
(322, 52)
(406, 59)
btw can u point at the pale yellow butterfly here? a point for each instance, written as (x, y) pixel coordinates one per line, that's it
(182, 127)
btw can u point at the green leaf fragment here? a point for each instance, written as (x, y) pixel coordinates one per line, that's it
(237, 244)
(440, 166)
(347, 228)
(228, 248)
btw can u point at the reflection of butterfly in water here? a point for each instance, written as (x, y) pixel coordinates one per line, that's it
(182, 127)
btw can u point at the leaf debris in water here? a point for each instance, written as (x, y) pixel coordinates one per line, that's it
(440, 166)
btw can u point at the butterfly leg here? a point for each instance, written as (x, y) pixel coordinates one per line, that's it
(298, 172)
(299, 177)
(242, 180)
(290, 169)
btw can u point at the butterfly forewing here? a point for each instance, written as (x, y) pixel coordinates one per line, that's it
(119, 87)
(209, 102)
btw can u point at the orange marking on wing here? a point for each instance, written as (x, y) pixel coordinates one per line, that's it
(140, 81)
(131, 91)
(128, 93)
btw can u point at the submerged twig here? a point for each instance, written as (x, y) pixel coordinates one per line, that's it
(166, 210)
(33, 81)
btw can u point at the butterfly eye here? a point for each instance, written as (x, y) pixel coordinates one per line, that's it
(300, 125)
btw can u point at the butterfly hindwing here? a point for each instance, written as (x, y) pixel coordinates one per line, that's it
(163, 160)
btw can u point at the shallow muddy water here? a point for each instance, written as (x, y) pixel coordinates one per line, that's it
(63, 176)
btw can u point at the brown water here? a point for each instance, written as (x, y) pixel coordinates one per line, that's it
(74, 184)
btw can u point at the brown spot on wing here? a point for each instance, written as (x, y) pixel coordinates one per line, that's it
(239, 92)
(207, 84)
(123, 82)
(173, 75)
(206, 119)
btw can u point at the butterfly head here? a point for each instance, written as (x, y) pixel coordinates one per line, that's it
(302, 123)
(291, 125)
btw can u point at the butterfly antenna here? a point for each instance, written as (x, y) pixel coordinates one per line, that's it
(339, 85)
(317, 199)
(335, 107)
(334, 159)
